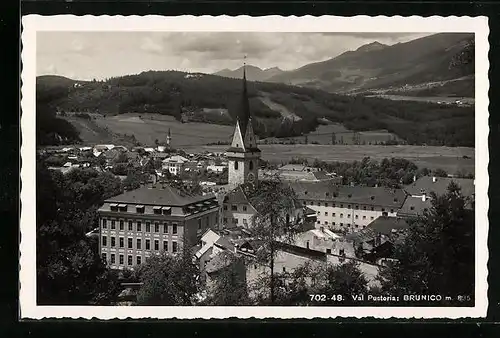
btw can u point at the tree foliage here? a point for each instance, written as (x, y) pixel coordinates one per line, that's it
(437, 254)
(168, 280)
(69, 268)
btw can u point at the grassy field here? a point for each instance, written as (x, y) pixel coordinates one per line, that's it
(150, 127)
(447, 158)
(323, 135)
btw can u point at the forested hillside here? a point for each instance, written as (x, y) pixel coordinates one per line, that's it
(181, 94)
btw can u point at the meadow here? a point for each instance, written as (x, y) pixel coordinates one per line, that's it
(450, 159)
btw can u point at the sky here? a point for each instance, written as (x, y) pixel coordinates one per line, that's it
(100, 55)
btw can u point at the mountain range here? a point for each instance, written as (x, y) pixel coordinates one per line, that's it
(253, 73)
(426, 65)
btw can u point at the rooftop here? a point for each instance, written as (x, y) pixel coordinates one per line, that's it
(159, 194)
(382, 225)
(439, 185)
(320, 191)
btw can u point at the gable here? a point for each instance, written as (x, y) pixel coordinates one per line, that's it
(238, 141)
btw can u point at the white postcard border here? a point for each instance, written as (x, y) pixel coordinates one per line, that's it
(27, 275)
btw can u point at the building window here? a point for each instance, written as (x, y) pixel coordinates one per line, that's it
(130, 228)
(250, 165)
(235, 220)
(383, 209)
(307, 244)
(103, 257)
(328, 251)
(333, 214)
(199, 224)
(371, 218)
(364, 207)
(412, 208)
(357, 207)
(148, 244)
(319, 204)
(284, 269)
(225, 207)
(318, 222)
(165, 246)
(356, 225)
(326, 205)
(333, 223)
(245, 221)
(122, 242)
(225, 219)
(157, 245)
(357, 216)
(312, 203)
(174, 229)
(348, 206)
(372, 208)
(326, 222)
(121, 260)
(113, 225)
(326, 213)
(392, 210)
(148, 227)
(174, 246)
(244, 208)
(104, 225)
(341, 224)
(138, 260)
(364, 217)
(157, 227)
(139, 226)
(341, 205)
(157, 210)
(129, 243)
(104, 241)
(317, 212)
(235, 165)
(341, 215)
(384, 213)
(138, 244)
(113, 260)
(234, 208)
(129, 260)
(165, 228)
(113, 242)
(333, 205)
(121, 225)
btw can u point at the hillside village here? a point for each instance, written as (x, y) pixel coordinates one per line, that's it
(334, 222)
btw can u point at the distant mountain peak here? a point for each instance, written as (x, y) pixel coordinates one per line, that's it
(375, 45)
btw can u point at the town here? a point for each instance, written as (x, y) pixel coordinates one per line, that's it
(242, 223)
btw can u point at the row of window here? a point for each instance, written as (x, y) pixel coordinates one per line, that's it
(342, 224)
(333, 205)
(121, 259)
(138, 243)
(234, 207)
(348, 215)
(235, 221)
(250, 164)
(130, 226)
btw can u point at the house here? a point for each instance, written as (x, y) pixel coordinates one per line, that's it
(216, 168)
(145, 221)
(419, 193)
(348, 208)
(103, 147)
(376, 240)
(175, 164)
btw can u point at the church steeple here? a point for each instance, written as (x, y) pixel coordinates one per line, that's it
(244, 113)
(243, 155)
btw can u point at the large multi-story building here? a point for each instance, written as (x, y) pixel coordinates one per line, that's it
(146, 221)
(348, 208)
(175, 165)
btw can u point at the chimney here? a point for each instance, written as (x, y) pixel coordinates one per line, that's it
(322, 229)
(414, 178)
(423, 197)
(434, 179)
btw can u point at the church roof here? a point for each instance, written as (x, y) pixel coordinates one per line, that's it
(244, 112)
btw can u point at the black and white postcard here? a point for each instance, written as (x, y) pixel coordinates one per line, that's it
(268, 167)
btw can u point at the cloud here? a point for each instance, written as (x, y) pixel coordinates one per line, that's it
(149, 45)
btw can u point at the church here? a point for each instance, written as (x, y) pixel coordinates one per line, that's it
(244, 161)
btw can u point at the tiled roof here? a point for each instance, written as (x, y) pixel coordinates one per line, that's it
(158, 195)
(381, 225)
(414, 206)
(236, 196)
(321, 191)
(225, 243)
(440, 186)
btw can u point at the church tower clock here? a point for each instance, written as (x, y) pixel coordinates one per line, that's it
(243, 154)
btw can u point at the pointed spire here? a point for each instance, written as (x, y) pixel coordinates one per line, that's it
(244, 115)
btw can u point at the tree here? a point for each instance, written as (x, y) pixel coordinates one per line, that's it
(440, 173)
(437, 253)
(229, 284)
(276, 204)
(168, 280)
